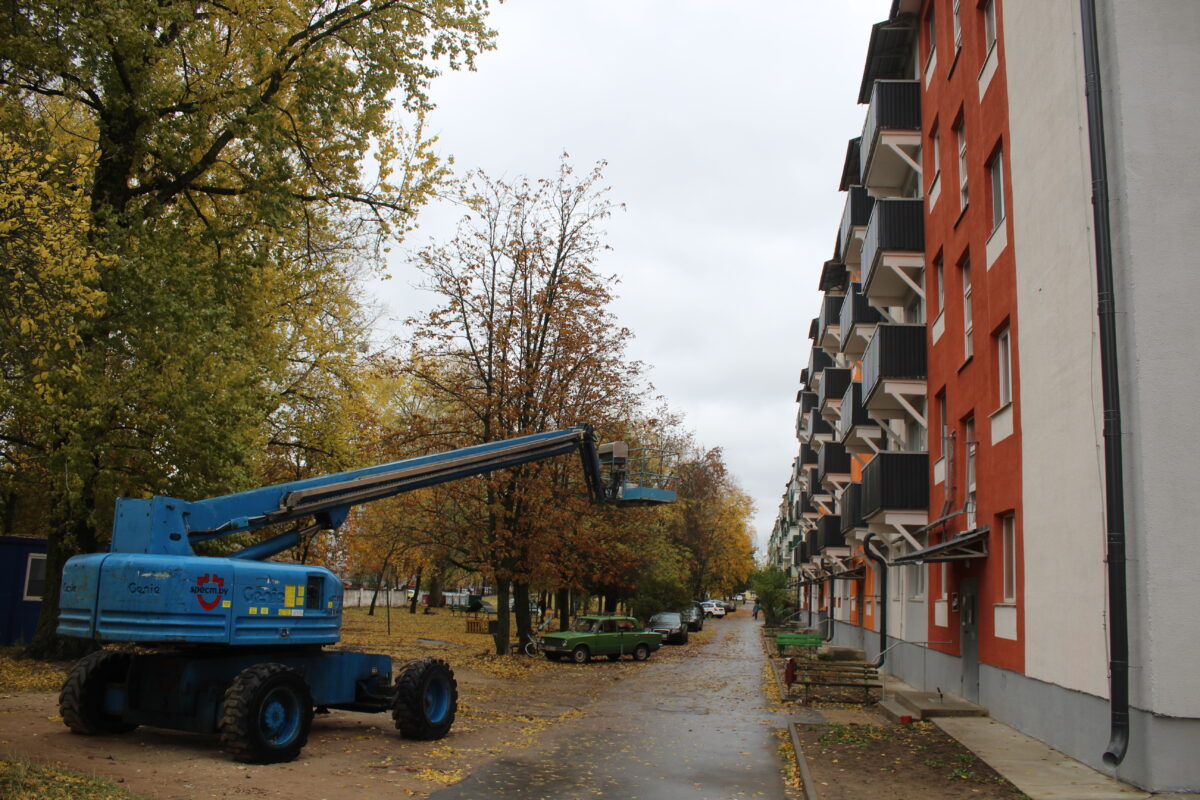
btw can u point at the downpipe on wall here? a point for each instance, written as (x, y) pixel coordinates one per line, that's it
(881, 565)
(1114, 511)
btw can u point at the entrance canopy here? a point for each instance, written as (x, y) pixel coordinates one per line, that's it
(971, 544)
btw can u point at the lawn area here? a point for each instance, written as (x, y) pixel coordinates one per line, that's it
(27, 781)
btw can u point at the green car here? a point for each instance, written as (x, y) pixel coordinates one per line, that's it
(601, 635)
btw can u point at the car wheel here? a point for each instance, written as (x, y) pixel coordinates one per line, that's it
(580, 655)
(641, 652)
(266, 715)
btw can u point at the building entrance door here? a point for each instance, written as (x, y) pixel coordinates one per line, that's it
(968, 607)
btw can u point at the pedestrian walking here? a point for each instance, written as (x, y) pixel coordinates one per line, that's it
(756, 609)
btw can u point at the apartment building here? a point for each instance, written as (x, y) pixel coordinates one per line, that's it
(953, 505)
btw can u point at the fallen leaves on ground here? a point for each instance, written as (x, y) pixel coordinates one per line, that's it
(20, 674)
(21, 779)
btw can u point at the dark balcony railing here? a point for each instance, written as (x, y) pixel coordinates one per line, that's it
(856, 214)
(895, 225)
(834, 381)
(829, 532)
(810, 543)
(831, 314)
(852, 413)
(895, 106)
(895, 352)
(817, 425)
(813, 328)
(851, 171)
(808, 401)
(832, 459)
(895, 482)
(818, 360)
(851, 509)
(804, 505)
(808, 456)
(855, 311)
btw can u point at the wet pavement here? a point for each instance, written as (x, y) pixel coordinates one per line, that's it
(697, 727)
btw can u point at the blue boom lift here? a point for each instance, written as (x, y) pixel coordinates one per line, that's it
(235, 645)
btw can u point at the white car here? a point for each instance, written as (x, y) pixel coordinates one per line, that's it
(712, 608)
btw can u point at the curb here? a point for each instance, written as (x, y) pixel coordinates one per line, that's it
(810, 786)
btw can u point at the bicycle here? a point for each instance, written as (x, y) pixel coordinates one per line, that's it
(533, 641)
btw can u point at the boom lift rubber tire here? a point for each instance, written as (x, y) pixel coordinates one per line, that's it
(426, 699)
(266, 715)
(641, 652)
(81, 701)
(581, 654)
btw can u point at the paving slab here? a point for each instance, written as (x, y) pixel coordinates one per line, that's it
(1034, 767)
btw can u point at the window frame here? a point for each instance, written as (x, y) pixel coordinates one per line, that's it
(968, 310)
(30, 558)
(1008, 550)
(995, 168)
(958, 28)
(1004, 366)
(970, 476)
(990, 31)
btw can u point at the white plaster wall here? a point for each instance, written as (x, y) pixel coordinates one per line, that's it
(1062, 463)
(1153, 121)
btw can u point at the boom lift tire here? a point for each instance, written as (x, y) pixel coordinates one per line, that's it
(81, 701)
(266, 715)
(426, 699)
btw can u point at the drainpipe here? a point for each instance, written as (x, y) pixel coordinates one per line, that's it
(1114, 511)
(881, 565)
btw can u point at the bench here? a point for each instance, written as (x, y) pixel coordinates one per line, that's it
(816, 675)
(809, 641)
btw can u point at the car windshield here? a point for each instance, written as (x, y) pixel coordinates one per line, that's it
(583, 625)
(665, 619)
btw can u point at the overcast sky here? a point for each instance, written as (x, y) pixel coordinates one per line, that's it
(724, 125)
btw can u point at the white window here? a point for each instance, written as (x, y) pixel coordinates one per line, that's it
(989, 25)
(35, 576)
(1004, 366)
(957, 25)
(960, 135)
(968, 320)
(931, 28)
(969, 448)
(996, 178)
(1008, 544)
(945, 578)
(945, 425)
(935, 146)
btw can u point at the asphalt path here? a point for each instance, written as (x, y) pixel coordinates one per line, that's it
(697, 727)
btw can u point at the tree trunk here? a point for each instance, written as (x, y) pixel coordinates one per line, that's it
(416, 598)
(521, 604)
(610, 602)
(563, 603)
(435, 590)
(501, 635)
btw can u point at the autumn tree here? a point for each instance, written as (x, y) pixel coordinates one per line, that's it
(229, 197)
(521, 341)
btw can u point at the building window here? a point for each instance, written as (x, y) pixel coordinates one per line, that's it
(944, 433)
(931, 31)
(957, 26)
(939, 277)
(996, 179)
(935, 149)
(960, 138)
(1008, 546)
(915, 310)
(968, 320)
(1004, 365)
(916, 585)
(35, 576)
(989, 25)
(969, 449)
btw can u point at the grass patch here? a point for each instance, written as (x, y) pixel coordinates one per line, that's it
(21, 674)
(853, 735)
(30, 781)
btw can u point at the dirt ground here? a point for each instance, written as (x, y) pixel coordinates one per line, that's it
(901, 762)
(504, 704)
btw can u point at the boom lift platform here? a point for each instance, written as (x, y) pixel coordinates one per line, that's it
(235, 645)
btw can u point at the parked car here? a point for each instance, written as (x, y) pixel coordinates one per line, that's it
(671, 625)
(693, 615)
(730, 606)
(713, 609)
(601, 636)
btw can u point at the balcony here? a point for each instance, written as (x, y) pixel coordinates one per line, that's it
(819, 495)
(829, 324)
(803, 508)
(855, 217)
(812, 329)
(834, 277)
(856, 430)
(819, 430)
(893, 373)
(851, 166)
(891, 139)
(834, 381)
(829, 534)
(851, 510)
(893, 253)
(818, 360)
(857, 323)
(807, 401)
(895, 482)
(833, 466)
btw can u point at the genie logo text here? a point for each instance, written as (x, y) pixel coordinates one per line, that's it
(209, 590)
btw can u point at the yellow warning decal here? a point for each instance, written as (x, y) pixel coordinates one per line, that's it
(226, 604)
(289, 597)
(253, 609)
(264, 610)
